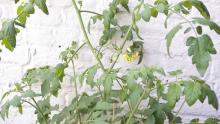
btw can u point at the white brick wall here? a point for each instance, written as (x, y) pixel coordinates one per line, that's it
(38, 45)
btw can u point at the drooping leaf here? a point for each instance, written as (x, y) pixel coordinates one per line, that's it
(41, 4)
(8, 34)
(170, 36)
(200, 50)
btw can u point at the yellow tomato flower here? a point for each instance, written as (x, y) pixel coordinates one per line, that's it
(130, 57)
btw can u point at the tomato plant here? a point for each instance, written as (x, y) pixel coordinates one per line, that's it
(117, 96)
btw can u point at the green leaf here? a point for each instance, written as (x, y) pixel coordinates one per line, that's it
(199, 5)
(124, 30)
(8, 34)
(16, 1)
(200, 50)
(29, 8)
(173, 94)
(124, 3)
(150, 120)
(192, 92)
(41, 4)
(170, 36)
(207, 92)
(29, 94)
(45, 87)
(107, 35)
(212, 25)
(107, 81)
(59, 71)
(4, 110)
(15, 101)
(24, 11)
(194, 121)
(146, 13)
(103, 106)
(176, 72)
(212, 121)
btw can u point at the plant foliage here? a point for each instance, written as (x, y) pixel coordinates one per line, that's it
(119, 92)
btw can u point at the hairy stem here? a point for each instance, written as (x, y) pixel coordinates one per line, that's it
(86, 35)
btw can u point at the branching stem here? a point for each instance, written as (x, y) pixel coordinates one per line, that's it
(86, 35)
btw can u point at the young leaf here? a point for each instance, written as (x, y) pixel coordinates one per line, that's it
(192, 92)
(201, 49)
(212, 25)
(41, 4)
(59, 71)
(170, 36)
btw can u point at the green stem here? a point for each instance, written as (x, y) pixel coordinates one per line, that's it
(187, 20)
(173, 120)
(127, 34)
(146, 92)
(86, 36)
(39, 110)
(129, 105)
(76, 52)
(87, 11)
(76, 91)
